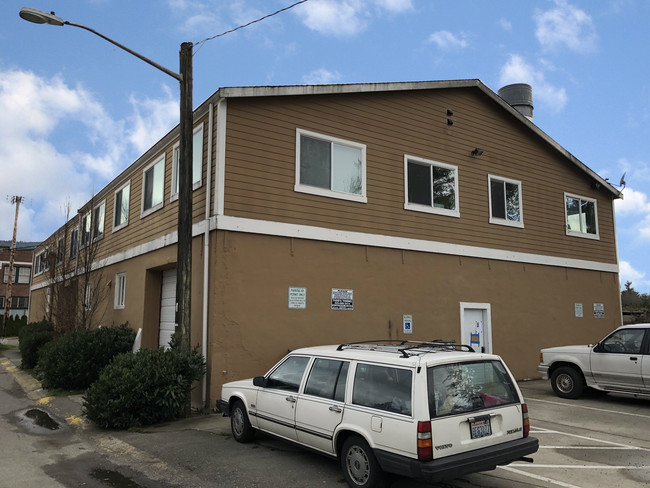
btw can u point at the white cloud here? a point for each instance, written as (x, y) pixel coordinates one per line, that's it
(628, 273)
(346, 18)
(633, 202)
(446, 40)
(39, 163)
(321, 76)
(565, 26)
(505, 24)
(517, 70)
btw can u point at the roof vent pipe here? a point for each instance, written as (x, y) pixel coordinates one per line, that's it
(520, 97)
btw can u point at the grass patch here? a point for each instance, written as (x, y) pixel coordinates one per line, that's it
(6, 347)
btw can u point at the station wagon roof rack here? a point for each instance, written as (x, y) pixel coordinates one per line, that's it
(407, 348)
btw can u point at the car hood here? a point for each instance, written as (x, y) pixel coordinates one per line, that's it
(569, 349)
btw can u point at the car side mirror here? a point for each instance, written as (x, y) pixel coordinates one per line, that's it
(259, 381)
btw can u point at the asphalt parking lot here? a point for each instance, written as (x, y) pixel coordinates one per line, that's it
(597, 440)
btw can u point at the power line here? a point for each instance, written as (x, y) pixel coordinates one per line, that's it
(200, 43)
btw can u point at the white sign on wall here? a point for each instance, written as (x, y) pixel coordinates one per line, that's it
(297, 297)
(407, 324)
(599, 311)
(578, 310)
(342, 299)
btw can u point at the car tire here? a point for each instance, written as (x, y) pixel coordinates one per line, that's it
(360, 466)
(240, 426)
(567, 382)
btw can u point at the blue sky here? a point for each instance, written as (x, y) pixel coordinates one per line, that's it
(75, 110)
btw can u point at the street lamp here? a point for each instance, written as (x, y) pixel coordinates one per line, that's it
(184, 257)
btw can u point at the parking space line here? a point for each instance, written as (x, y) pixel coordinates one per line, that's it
(618, 412)
(537, 477)
(577, 466)
(549, 431)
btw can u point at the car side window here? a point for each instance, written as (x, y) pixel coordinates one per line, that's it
(327, 379)
(625, 341)
(289, 374)
(383, 388)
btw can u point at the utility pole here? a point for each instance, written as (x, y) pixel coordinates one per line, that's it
(14, 200)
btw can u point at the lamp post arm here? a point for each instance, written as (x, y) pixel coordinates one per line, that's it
(130, 51)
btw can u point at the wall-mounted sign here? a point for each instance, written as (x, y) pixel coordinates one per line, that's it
(407, 323)
(599, 311)
(578, 310)
(297, 297)
(342, 299)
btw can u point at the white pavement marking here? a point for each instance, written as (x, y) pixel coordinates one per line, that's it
(572, 405)
(549, 431)
(538, 477)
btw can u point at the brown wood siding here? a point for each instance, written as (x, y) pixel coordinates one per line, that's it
(260, 169)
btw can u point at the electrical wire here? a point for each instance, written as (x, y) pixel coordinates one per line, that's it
(201, 43)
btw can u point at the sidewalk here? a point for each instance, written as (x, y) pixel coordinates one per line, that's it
(69, 408)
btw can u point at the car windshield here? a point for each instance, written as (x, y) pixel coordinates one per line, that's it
(468, 387)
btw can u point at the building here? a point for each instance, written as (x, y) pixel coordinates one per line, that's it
(334, 213)
(21, 277)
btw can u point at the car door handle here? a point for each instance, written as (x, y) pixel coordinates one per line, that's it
(335, 408)
(291, 399)
(634, 359)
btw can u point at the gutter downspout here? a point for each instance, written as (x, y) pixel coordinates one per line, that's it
(206, 253)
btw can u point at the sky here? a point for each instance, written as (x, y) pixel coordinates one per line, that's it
(76, 110)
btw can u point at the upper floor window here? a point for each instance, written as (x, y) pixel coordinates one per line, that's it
(99, 213)
(121, 207)
(581, 216)
(505, 201)
(431, 186)
(21, 274)
(330, 167)
(41, 262)
(60, 250)
(153, 182)
(197, 159)
(74, 242)
(85, 229)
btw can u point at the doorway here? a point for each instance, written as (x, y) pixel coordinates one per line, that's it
(476, 326)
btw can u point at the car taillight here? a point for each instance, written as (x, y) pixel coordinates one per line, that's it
(524, 414)
(425, 441)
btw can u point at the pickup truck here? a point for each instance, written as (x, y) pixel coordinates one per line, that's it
(619, 363)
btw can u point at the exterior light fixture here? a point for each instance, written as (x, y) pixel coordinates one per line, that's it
(477, 152)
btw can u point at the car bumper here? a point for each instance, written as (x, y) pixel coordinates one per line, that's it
(223, 407)
(457, 465)
(543, 370)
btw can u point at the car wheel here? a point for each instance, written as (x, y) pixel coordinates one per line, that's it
(567, 382)
(360, 466)
(240, 426)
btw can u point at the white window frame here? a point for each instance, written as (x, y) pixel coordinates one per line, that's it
(85, 230)
(60, 250)
(120, 291)
(115, 209)
(88, 295)
(95, 221)
(40, 262)
(196, 144)
(74, 248)
(325, 192)
(581, 233)
(429, 208)
(496, 220)
(144, 212)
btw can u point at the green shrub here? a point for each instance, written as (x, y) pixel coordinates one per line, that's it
(14, 324)
(145, 388)
(31, 339)
(75, 360)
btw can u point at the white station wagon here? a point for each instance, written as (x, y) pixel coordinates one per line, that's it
(433, 410)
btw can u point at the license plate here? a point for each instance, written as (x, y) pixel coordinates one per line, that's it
(480, 428)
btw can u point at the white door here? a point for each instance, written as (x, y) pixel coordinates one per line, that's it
(167, 308)
(475, 326)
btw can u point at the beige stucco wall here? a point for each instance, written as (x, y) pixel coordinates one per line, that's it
(251, 326)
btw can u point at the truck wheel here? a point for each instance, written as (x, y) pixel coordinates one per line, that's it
(360, 466)
(567, 382)
(240, 426)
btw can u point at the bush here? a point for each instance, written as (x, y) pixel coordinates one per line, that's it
(75, 361)
(31, 339)
(145, 388)
(14, 324)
